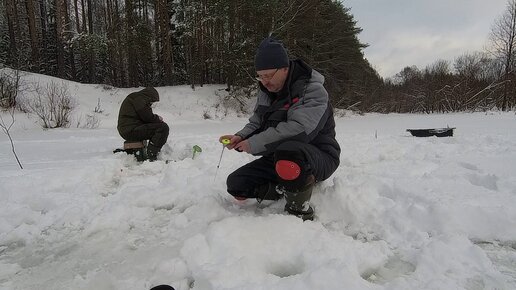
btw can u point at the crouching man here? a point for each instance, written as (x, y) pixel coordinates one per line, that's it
(292, 128)
(137, 122)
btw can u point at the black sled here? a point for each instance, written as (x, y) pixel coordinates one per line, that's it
(438, 132)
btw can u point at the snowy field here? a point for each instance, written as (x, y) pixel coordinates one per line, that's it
(400, 212)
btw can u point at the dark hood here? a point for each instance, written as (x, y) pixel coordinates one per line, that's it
(151, 94)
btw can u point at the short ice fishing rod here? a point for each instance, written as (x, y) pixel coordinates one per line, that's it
(224, 142)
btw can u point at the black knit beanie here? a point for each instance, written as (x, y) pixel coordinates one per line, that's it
(270, 54)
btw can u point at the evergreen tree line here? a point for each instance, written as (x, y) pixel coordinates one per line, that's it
(129, 43)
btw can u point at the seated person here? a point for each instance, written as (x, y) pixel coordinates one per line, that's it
(137, 122)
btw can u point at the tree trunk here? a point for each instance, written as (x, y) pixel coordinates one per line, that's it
(77, 20)
(231, 40)
(67, 37)
(166, 45)
(91, 53)
(84, 75)
(510, 65)
(84, 29)
(90, 17)
(113, 75)
(146, 62)
(130, 45)
(120, 60)
(60, 23)
(12, 23)
(34, 38)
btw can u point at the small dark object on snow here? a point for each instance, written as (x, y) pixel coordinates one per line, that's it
(163, 287)
(438, 132)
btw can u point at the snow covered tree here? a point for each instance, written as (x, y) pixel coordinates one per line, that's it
(503, 42)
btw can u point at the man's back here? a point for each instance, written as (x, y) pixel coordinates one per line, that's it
(135, 110)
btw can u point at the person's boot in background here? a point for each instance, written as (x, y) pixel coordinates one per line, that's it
(152, 152)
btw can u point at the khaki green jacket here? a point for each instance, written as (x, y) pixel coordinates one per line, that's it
(136, 110)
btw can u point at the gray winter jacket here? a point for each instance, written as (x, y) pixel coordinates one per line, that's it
(301, 111)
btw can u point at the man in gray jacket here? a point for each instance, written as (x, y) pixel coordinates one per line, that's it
(292, 128)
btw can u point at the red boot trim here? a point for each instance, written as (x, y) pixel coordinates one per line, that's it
(287, 169)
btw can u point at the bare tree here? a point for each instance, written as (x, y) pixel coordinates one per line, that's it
(53, 105)
(503, 40)
(475, 66)
(6, 128)
(9, 85)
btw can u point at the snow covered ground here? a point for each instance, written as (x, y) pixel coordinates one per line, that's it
(400, 212)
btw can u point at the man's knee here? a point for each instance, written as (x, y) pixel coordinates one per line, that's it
(165, 127)
(159, 134)
(162, 129)
(244, 182)
(292, 168)
(234, 185)
(231, 180)
(287, 169)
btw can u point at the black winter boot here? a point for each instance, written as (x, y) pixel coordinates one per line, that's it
(267, 191)
(152, 152)
(298, 202)
(139, 153)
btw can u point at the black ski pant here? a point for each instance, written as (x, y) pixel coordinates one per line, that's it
(156, 133)
(312, 161)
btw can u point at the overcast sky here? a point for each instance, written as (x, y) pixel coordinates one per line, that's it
(402, 33)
